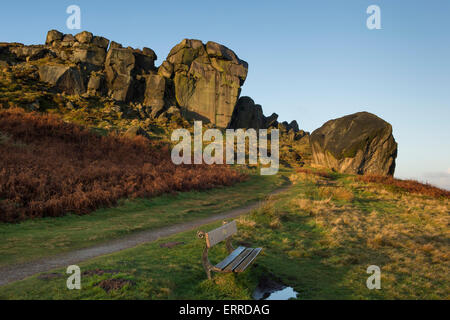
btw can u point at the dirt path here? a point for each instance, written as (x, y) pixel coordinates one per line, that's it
(18, 272)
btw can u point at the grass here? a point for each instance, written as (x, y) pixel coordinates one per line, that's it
(38, 238)
(319, 242)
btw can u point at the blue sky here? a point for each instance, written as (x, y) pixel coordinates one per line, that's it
(309, 60)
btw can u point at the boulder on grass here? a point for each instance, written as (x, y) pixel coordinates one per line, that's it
(360, 143)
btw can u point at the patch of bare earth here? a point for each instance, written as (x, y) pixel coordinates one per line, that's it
(113, 284)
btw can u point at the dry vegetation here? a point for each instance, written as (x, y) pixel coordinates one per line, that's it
(49, 168)
(319, 173)
(408, 186)
(405, 233)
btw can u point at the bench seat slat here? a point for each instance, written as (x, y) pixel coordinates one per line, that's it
(230, 267)
(248, 261)
(230, 258)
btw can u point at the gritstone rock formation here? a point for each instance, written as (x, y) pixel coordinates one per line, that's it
(207, 79)
(359, 143)
(203, 80)
(196, 81)
(247, 114)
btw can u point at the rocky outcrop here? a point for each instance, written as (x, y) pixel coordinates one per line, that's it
(247, 114)
(202, 81)
(359, 143)
(293, 125)
(18, 53)
(126, 72)
(118, 68)
(207, 80)
(84, 49)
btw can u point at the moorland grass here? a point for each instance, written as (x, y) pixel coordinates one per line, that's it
(320, 243)
(38, 238)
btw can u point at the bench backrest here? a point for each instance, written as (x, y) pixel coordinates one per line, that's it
(217, 235)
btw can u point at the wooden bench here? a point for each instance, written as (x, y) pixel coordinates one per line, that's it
(238, 260)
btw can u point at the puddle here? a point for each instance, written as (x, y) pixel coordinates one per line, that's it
(270, 289)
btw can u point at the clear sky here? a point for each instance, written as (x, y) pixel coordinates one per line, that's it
(309, 60)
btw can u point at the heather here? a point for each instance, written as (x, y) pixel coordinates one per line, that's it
(49, 168)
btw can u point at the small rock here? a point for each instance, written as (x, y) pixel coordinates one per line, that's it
(136, 131)
(35, 106)
(69, 105)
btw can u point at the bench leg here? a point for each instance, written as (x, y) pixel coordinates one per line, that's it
(208, 273)
(206, 263)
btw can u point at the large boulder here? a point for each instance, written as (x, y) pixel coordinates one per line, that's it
(145, 60)
(126, 72)
(90, 55)
(359, 143)
(119, 65)
(154, 91)
(53, 35)
(207, 80)
(100, 42)
(247, 115)
(84, 37)
(63, 77)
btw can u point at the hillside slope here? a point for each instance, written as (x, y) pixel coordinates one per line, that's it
(49, 168)
(319, 237)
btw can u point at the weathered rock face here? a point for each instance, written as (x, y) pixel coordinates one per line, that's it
(155, 89)
(63, 77)
(83, 49)
(53, 35)
(359, 143)
(84, 53)
(118, 68)
(207, 80)
(96, 85)
(29, 53)
(203, 81)
(247, 114)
